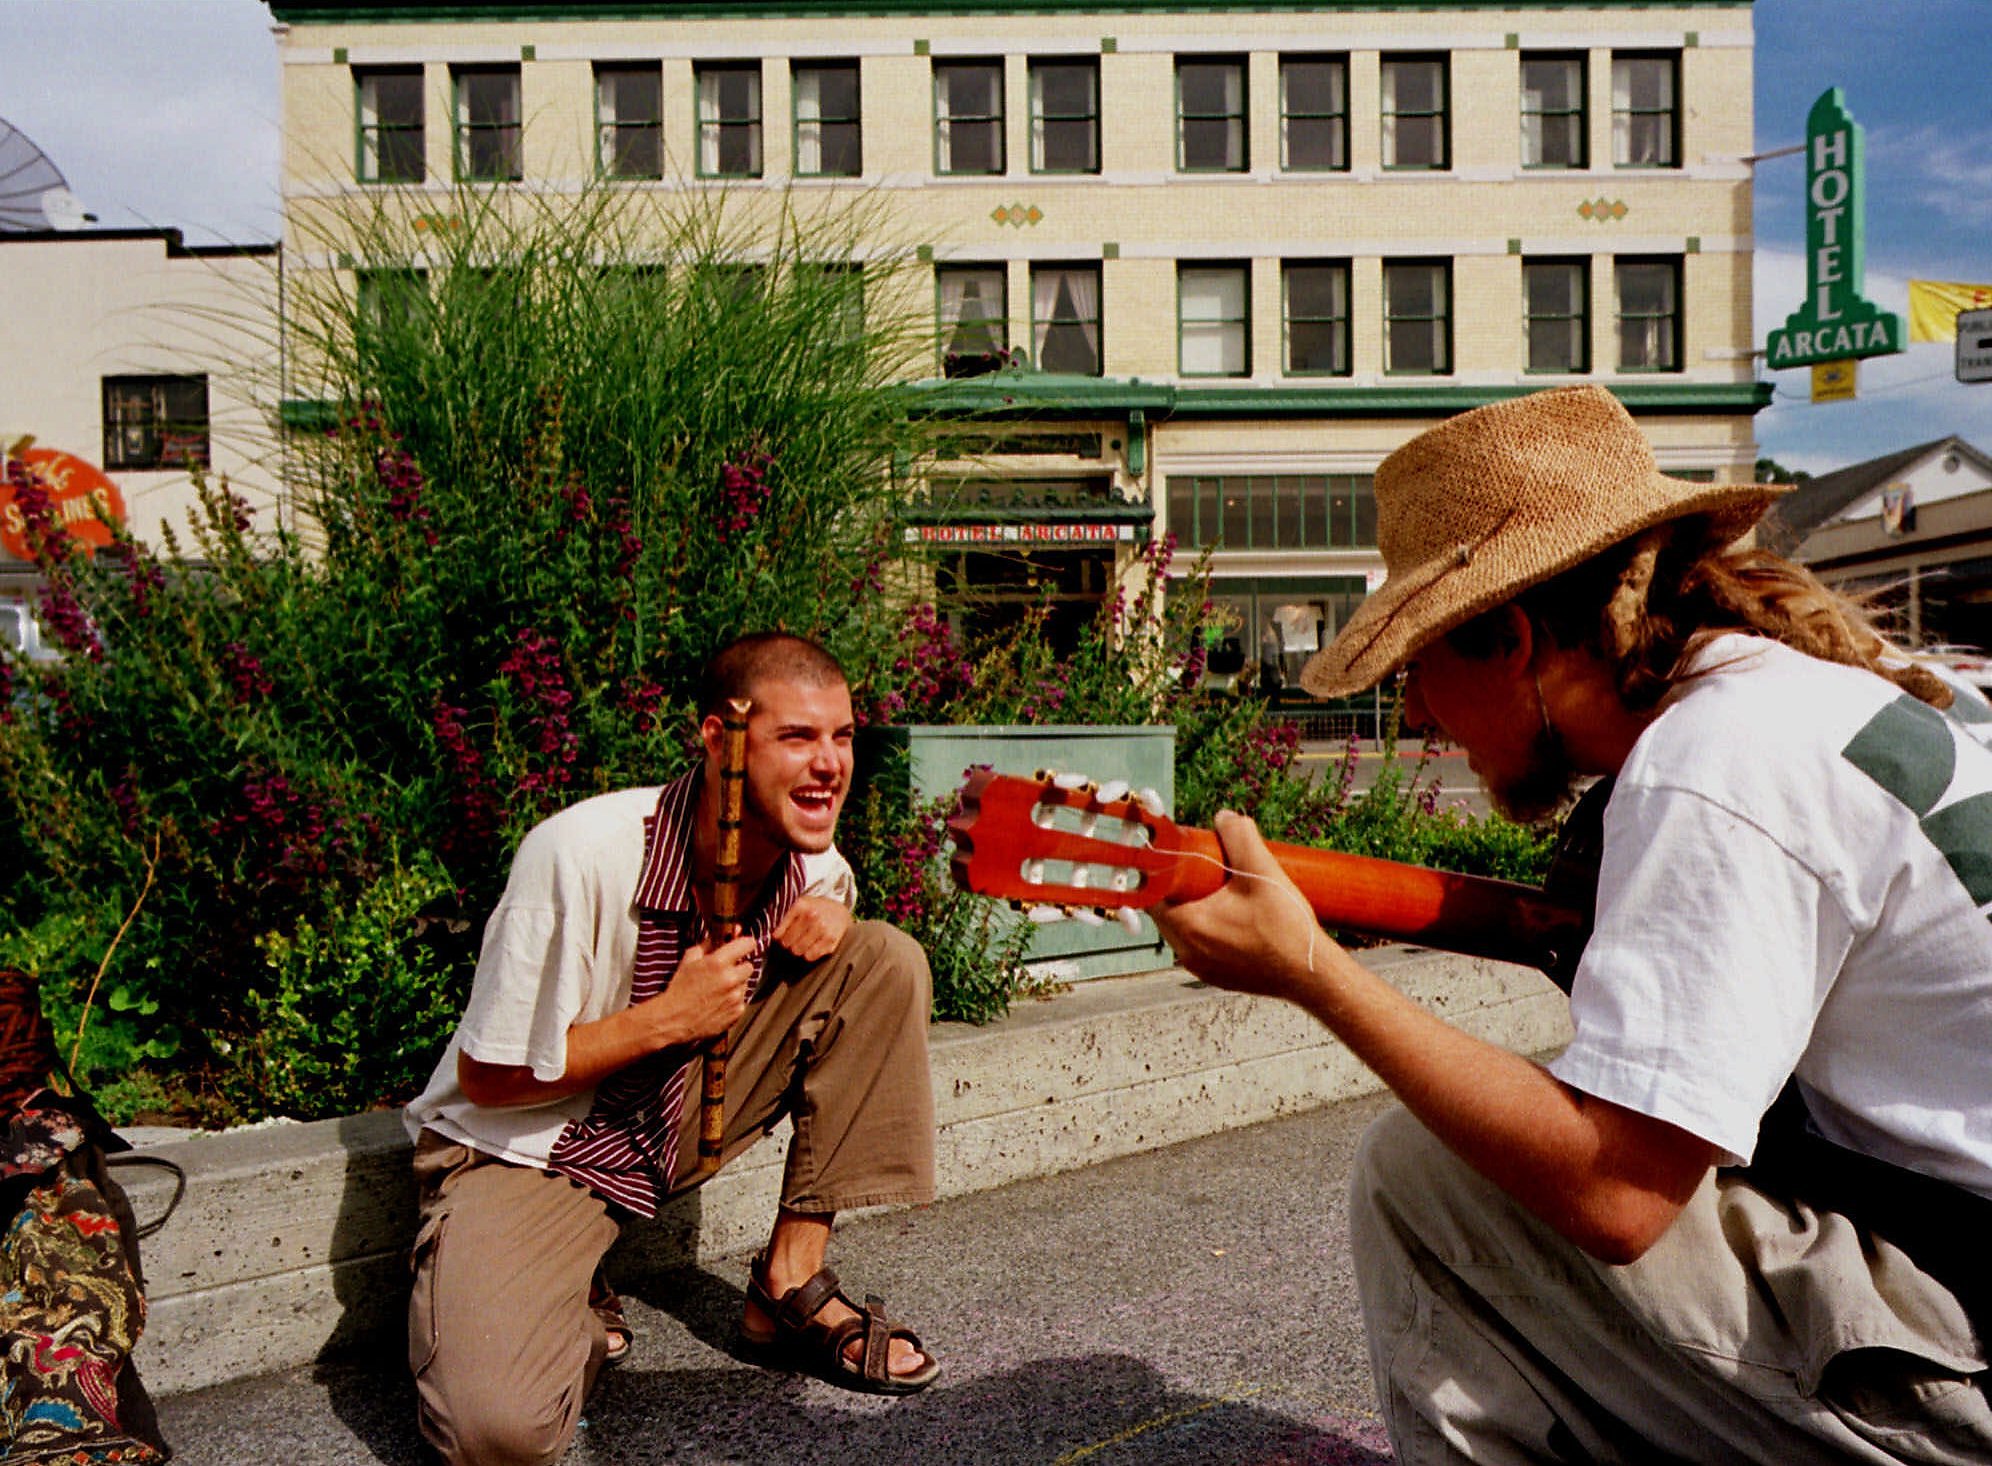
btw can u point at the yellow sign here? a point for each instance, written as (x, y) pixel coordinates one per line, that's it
(1833, 381)
(1934, 304)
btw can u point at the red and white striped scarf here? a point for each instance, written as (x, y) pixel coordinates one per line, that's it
(624, 1147)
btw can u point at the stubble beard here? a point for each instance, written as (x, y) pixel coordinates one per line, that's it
(1545, 784)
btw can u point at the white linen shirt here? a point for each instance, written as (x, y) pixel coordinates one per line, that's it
(1796, 876)
(559, 949)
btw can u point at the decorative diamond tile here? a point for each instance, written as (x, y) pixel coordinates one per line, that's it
(1000, 214)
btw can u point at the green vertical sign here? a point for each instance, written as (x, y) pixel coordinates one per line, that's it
(1836, 322)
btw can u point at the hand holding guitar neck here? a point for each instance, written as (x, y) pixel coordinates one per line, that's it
(1056, 845)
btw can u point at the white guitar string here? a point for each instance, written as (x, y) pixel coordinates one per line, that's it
(1313, 922)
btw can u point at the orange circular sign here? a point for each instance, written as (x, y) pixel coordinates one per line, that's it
(82, 498)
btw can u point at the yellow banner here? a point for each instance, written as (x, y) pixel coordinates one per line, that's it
(1934, 304)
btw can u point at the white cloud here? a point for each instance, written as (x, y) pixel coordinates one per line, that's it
(1946, 169)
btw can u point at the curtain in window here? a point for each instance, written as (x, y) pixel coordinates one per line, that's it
(1389, 95)
(809, 122)
(1065, 305)
(729, 97)
(1642, 111)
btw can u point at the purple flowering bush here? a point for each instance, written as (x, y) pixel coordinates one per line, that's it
(253, 819)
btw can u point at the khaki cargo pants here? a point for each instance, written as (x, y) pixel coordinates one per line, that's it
(1756, 1330)
(500, 1337)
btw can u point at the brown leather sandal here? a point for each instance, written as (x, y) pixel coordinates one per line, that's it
(605, 1305)
(819, 1347)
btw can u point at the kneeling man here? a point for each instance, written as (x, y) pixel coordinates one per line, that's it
(560, 1106)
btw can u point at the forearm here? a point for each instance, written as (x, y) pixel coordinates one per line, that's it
(595, 1050)
(1571, 1160)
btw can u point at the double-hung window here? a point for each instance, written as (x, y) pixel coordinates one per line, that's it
(1649, 313)
(1315, 302)
(1065, 116)
(390, 124)
(973, 307)
(1646, 119)
(968, 117)
(1415, 132)
(1417, 317)
(729, 120)
(156, 422)
(629, 120)
(1556, 324)
(1553, 112)
(1065, 318)
(487, 123)
(828, 134)
(1214, 320)
(1314, 113)
(1210, 115)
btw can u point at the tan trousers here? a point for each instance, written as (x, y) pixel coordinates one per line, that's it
(500, 1338)
(1755, 1330)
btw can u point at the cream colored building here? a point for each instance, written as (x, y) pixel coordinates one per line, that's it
(145, 358)
(1216, 260)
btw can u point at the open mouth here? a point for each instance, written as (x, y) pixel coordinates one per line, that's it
(818, 801)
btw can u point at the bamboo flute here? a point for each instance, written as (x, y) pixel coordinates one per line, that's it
(726, 918)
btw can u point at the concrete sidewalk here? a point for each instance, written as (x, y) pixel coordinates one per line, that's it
(289, 1247)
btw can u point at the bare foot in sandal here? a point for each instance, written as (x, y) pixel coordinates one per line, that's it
(815, 1325)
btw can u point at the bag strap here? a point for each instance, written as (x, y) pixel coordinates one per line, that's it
(140, 1158)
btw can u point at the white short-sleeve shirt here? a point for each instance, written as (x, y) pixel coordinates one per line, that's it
(1796, 878)
(559, 949)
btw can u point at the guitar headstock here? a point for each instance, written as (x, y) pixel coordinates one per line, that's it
(1060, 845)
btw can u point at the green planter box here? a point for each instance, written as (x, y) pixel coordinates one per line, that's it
(939, 758)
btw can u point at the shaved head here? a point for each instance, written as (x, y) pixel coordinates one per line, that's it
(743, 664)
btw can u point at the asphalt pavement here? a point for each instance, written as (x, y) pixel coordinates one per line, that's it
(1187, 1305)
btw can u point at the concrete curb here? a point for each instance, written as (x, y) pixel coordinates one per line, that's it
(290, 1244)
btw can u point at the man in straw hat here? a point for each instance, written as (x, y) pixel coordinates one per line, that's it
(1641, 1251)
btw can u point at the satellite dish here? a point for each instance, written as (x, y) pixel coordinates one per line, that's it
(33, 193)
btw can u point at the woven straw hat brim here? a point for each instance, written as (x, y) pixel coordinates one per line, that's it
(1480, 508)
(1409, 610)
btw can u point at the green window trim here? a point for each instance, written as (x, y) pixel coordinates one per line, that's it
(1043, 118)
(947, 117)
(998, 324)
(1577, 107)
(471, 139)
(1668, 319)
(1337, 323)
(1272, 511)
(1332, 117)
(608, 132)
(1395, 313)
(379, 132)
(1241, 270)
(1663, 140)
(1233, 113)
(828, 123)
(1088, 323)
(713, 135)
(1580, 315)
(1393, 113)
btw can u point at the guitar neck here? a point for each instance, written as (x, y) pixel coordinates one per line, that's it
(1472, 915)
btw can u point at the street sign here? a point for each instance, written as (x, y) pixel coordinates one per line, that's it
(1974, 346)
(1834, 381)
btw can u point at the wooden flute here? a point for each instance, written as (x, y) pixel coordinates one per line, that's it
(726, 918)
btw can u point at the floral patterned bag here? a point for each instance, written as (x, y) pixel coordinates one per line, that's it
(72, 1297)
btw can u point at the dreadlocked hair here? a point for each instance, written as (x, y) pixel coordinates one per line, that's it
(1650, 603)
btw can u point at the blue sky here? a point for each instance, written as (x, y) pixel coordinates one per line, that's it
(165, 112)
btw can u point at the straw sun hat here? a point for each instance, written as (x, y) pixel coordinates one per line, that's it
(1498, 499)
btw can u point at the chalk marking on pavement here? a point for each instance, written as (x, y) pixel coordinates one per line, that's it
(1156, 1424)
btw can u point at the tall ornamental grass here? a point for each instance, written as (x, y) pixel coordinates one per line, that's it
(251, 822)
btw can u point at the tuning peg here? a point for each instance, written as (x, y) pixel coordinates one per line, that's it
(1087, 916)
(1151, 801)
(1114, 789)
(1034, 872)
(1128, 917)
(1045, 915)
(1074, 783)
